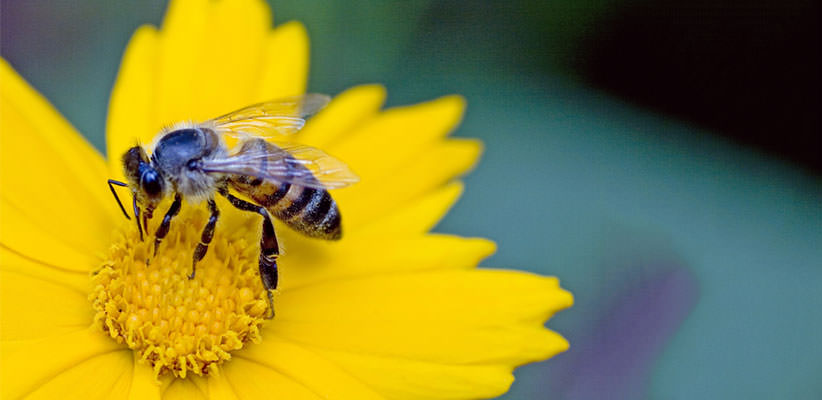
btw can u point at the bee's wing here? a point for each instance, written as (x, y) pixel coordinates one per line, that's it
(290, 163)
(272, 118)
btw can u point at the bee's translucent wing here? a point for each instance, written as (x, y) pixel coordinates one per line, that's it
(286, 163)
(271, 119)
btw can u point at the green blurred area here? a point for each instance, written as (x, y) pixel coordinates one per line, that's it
(574, 183)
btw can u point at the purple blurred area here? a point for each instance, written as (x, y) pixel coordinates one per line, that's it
(615, 358)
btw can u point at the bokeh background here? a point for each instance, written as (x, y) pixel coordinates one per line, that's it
(663, 158)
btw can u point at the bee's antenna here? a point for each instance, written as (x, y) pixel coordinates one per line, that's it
(137, 218)
(118, 183)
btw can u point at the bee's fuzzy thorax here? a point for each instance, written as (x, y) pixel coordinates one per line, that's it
(166, 129)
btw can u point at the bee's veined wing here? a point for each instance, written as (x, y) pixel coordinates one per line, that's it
(291, 163)
(271, 119)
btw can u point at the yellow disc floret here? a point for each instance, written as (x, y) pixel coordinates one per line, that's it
(181, 325)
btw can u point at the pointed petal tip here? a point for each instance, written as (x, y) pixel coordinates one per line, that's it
(552, 344)
(489, 245)
(294, 29)
(454, 100)
(374, 91)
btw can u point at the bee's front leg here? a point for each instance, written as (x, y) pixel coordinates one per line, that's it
(137, 217)
(205, 239)
(162, 230)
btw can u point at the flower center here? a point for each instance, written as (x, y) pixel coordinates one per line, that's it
(177, 324)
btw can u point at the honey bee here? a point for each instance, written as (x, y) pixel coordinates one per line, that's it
(285, 180)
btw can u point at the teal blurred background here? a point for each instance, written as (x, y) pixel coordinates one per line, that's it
(661, 158)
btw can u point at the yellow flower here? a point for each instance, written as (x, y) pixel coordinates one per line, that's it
(390, 311)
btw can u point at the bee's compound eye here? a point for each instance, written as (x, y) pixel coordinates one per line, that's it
(150, 182)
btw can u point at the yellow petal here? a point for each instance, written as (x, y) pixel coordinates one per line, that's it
(369, 200)
(180, 59)
(442, 344)
(29, 364)
(251, 380)
(209, 58)
(220, 388)
(232, 62)
(30, 123)
(477, 297)
(131, 111)
(13, 262)
(394, 137)
(32, 308)
(418, 217)
(184, 389)
(397, 378)
(349, 109)
(101, 377)
(143, 385)
(286, 63)
(451, 317)
(310, 371)
(310, 262)
(22, 236)
(53, 182)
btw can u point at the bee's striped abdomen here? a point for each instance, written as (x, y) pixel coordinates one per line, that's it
(310, 211)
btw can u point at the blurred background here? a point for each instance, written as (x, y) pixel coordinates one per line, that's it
(662, 158)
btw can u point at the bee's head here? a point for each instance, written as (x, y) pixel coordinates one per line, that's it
(145, 181)
(151, 183)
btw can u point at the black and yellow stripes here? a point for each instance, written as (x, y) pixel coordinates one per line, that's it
(308, 210)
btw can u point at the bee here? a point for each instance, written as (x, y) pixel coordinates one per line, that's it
(287, 181)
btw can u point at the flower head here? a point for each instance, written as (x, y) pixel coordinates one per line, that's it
(389, 311)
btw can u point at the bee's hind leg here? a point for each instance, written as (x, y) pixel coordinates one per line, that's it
(269, 248)
(205, 239)
(162, 230)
